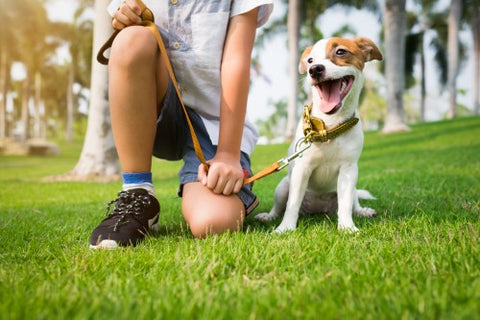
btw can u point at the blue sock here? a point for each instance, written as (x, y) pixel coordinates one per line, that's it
(134, 180)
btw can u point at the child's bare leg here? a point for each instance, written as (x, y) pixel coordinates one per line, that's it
(209, 213)
(133, 68)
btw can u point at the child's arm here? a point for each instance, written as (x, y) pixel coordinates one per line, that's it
(225, 175)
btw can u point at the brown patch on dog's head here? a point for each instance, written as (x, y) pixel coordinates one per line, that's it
(354, 51)
(302, 66)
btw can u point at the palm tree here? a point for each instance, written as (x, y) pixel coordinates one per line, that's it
(4, 68)
(293, 57)
(472, 17)
(78, 34)
(436, 22)
(420, 24)
(454, 17)
(394, 24)
(99, 157)
(36, 49)
(6, 47)
(476, 57)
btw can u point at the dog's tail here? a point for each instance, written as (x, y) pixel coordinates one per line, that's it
(365, 195)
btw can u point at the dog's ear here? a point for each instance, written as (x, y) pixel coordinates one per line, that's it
(369, 49)
(302, 66)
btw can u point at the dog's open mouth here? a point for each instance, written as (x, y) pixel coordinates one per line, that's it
(332, 93)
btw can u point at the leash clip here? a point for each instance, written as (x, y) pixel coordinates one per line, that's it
(298, 153)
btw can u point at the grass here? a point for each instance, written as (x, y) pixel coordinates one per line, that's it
(418, 259)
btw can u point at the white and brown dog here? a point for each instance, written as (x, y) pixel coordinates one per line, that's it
(325, 177)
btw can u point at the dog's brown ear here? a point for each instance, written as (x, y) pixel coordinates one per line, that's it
(369, 49)
(302, 66)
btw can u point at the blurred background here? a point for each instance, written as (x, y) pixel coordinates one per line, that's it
(52, 90)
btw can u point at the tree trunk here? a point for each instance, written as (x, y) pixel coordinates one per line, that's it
(25, 114)
(70, 107)
(476, 60)
(99, 157)
(37, 123)
(3, 93)
(394, 25)
(293, 59)
(454, 17)
(423, 91)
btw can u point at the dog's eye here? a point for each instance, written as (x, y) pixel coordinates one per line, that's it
(310, 60)
(341, 52)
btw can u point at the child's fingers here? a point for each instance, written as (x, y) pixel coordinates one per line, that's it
(117, 25)
(217, 183)
(126, 15)
(202, 174)
(133, 5)
(224, 180)
(238, 185)
(130, 13)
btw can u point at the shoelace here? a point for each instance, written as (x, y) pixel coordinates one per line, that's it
(127, 203)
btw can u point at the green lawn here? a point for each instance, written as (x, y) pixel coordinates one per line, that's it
(418, 259)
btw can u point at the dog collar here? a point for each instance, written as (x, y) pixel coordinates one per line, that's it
(314, 128)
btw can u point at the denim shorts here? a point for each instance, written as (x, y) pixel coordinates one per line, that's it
(173, 142)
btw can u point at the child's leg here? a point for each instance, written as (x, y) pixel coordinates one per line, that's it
(133, 68)
(209, 213)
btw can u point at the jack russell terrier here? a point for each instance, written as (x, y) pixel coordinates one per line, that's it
(324, 177)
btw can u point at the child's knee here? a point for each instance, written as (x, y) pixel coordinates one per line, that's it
(133, 46)
(206, 222)
(201, 226)
(207, 213)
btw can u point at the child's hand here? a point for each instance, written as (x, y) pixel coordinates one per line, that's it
(127, 14)
(225, 175)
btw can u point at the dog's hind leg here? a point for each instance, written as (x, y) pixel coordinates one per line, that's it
(280, 202)
(360, 211)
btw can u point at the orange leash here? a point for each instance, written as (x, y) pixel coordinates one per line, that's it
(148, 22)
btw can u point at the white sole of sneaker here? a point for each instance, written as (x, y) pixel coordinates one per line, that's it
(105, 244)
(112, 244)
(153, 223)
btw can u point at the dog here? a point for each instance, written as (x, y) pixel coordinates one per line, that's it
(324, 177)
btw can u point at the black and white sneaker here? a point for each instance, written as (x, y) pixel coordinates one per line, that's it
(135, 213)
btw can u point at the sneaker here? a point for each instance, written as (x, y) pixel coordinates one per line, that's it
(135, 213)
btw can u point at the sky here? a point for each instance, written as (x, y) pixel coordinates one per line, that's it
(273, 60)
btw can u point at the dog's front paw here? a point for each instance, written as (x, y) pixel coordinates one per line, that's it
(348, 228)
(365, 212)
(265, 217)
(284, 227)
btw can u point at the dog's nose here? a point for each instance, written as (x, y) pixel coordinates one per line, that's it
(316, 71)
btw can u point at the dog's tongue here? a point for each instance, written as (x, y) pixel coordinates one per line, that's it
(330, 94)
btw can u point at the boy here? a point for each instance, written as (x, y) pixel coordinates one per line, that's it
(209, 44)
